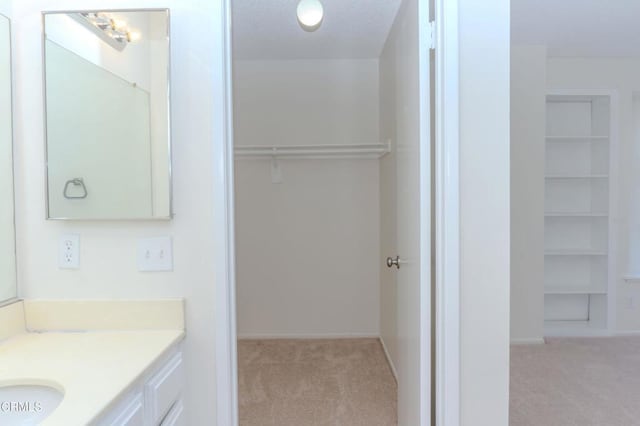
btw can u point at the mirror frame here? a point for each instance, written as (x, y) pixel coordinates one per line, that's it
(12, 146)
(48, 215)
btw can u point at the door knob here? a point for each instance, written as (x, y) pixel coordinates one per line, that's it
(393, 262)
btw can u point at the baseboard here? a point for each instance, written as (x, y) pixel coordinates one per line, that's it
(627, 333)
(532, 341)
(306, 336)
(389, 360)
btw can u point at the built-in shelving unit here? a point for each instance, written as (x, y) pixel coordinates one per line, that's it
(577, 200)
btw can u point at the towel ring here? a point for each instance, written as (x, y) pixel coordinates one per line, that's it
(75, 182)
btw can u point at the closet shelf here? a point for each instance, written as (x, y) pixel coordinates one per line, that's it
(566, 289)
(576, 177)
(575, 214)
(329, 151)
(575, 252)
(577, 138)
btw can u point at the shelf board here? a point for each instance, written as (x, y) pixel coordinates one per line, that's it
(599, 176)
(566, 289)
(575, 214)
(575, 252)
(577, 138)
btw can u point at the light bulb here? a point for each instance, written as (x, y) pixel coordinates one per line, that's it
(133, 36)
(310, 14)
(118, 25)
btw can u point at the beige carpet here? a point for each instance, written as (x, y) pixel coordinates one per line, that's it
(315, 383)
(577, 381)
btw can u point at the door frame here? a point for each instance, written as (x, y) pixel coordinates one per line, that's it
(226, 368)
(447, 223)
(447, 212)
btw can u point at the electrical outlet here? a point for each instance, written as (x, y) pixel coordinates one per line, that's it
(69, 251)
(155, 254)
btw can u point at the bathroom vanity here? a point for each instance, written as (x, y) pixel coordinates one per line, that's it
(121, 365)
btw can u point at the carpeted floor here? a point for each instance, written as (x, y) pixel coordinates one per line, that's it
(576, 382)
(315, 383)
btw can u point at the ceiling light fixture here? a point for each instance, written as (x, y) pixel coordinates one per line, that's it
(310, 14)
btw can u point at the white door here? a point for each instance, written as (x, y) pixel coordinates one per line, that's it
(413, 220)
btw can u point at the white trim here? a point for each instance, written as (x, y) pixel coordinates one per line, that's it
(614, 185)
(447, 187)
(623, 333)
(530, 341)
(578, 332)
(225, 306)
(389, 360)
(307, 336)
(424, 58)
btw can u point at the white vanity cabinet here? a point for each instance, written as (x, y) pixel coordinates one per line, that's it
(155, 400)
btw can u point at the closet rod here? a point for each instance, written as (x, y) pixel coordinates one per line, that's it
(315, 151)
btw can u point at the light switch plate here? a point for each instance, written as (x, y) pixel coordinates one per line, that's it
(155, 254)
(69, 251)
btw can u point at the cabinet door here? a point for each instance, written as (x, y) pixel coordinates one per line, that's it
(176, 416)
(128, 413)
(164, 389)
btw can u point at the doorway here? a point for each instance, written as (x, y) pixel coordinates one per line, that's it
(574, 228)
(330, 167)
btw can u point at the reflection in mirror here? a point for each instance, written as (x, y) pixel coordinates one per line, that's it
(7, 231)
(107, 115)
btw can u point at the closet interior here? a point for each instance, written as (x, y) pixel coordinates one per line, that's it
(317, 120)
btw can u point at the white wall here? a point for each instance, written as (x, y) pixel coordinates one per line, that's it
(306, 102)
(108, 249)
(484, 31)
(307, 248)
(623, 76)
(528, 87)
(7, 240)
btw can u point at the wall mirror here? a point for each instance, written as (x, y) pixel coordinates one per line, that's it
(107, 114)
(7, 229)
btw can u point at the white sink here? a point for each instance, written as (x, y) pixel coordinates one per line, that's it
(26, 405)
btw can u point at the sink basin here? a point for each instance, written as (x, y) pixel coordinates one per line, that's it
(26, 405)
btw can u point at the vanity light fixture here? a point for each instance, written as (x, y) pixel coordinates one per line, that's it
(310, 14)
(115, 32)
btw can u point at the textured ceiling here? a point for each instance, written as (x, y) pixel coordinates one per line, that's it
(268, 29)
(609, 28)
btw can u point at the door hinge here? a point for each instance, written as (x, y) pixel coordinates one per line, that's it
(431, 35)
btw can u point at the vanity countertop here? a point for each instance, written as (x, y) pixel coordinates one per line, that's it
(91, 351)
(93, 368)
